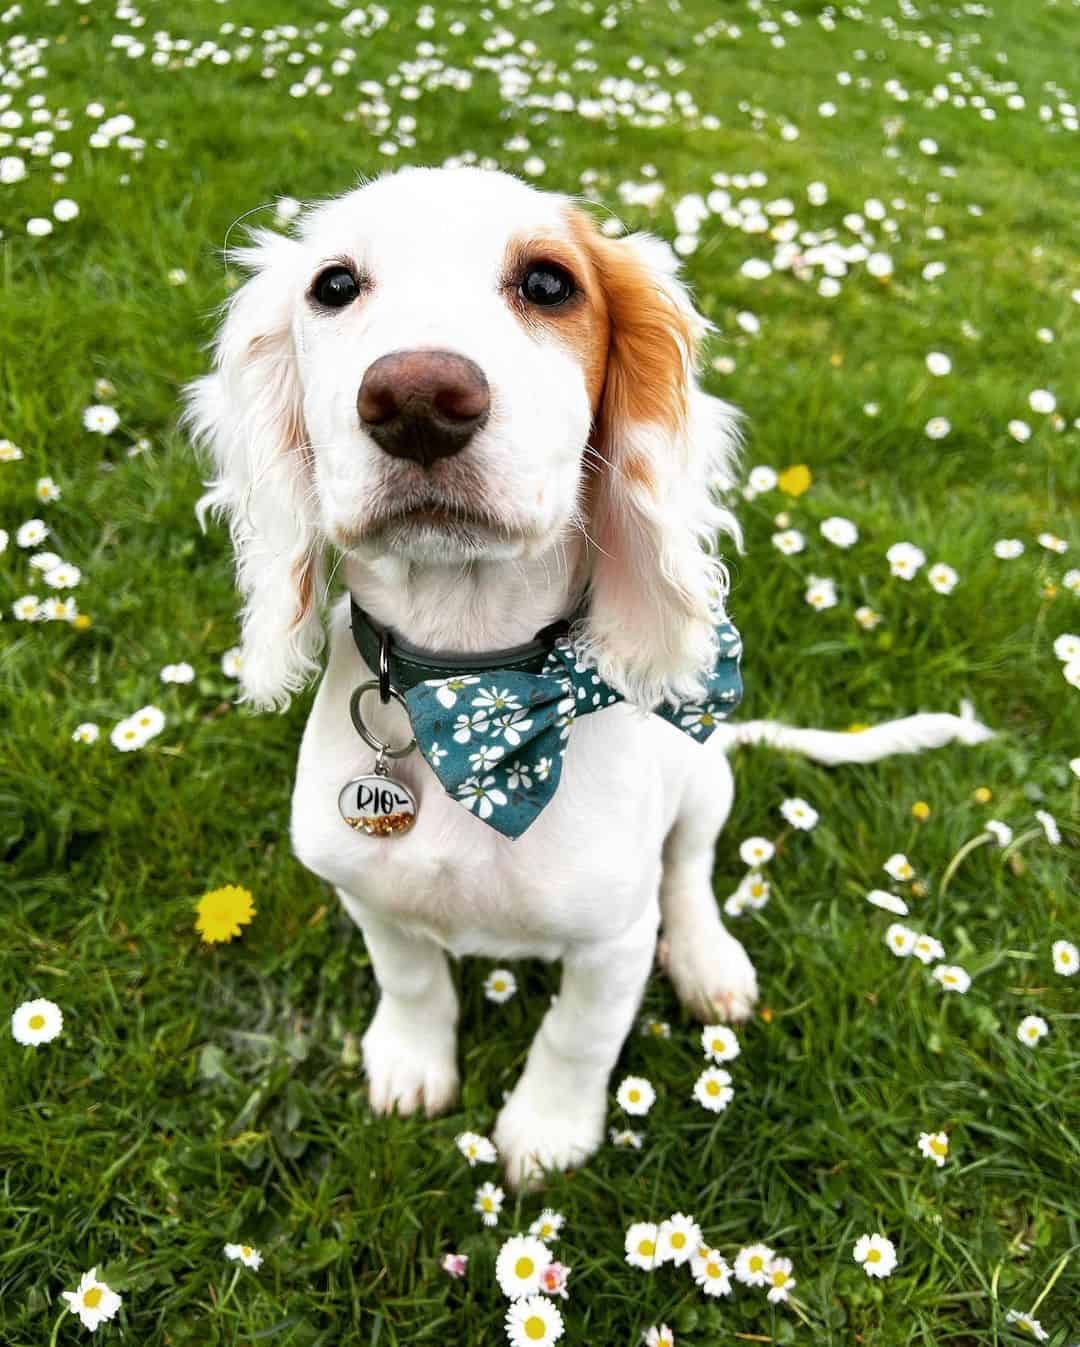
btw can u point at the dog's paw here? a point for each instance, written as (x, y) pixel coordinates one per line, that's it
(539, 1131)
(409, 1062)
(711, 973)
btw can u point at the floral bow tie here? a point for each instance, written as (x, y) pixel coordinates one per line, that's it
(496, 740)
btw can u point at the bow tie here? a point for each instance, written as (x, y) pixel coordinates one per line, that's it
(496, 739)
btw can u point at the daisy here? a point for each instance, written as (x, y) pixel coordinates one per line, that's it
(788, 541)
(30, 534)
(456, 1264)
(839, 531)
(92, 1301)
(888, 901)
(126, 736)
(1071, 672)
(905, 559)
(149, 720)
(1019, 430)
(1066, 957)
(935, 1146)
(626, 1137)
(753, 891)
(780, 1280)
(1042, 400)
(244, 1253)
(64, 576)
(46, 490)
(101, 420)
(1067, 647)
(177, 673)
(900, 939)
(719, 1043)
(928, 950)
(762, 478)
(659, 1335)
(938, 363)
(1028, 1324)
(656, 1028)
(898, 867)
(1001, 832)
(519, 1265)
(86, 733)
(635, 1095)
(867, 618)
(641, 1245)
(488, 1202)
(711, 1272)
(223, 912)
(1049, 823)
(45, 561)
(678, 1239)
(533, 1322)
(547, 1225)
(756, 851)
(1050, 541)
(937, 427)
(231, 662)
(1008, 549)
(712, 1089)
(752, 1265)
(799, 814)
(1071, 581)
(876, 1254)
(942, 578)
(36, 1022)
(952, 978)
(480, 795)
(553, 1280)
(9, 453)
(821, 592)
(500, 985)
(476, 1149)
(1031, 1029)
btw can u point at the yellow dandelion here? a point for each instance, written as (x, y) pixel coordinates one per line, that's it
(83, 622)
(982, 795)
(794, 481)
(222, 912)
(920, 810)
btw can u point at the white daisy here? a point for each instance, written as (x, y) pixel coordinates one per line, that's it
(476, 1149)
(626, 1138)
(488, 1202)
(937, 427)
(547, 1225)
(1053, 543)
(1071, 581)
(64, 576)
(520, 1264)
(788, 541)
(1019, 430)
(36, 1022)
(27, 608)
(127, 737)
(1028, 1324)
(762, 478)
(952, 978)
(231, 662)
(753, 891)
(1049, 826)
(150, 720)
(900, 939)
(712, 1089)
(101, 420)
(659, 1335)
(905, 559)
(821, 592)
(92, 1300)
(1067, 647)
(719, 1043)
(1001, 832)
(1041, 400)
(635, 1095)
(867, 618)
(938, 363)
(839, 531)
(86, 733)
(678, 1239)
(178, 673)
(942, 578)
(752, 1265)
(30, 534)
(1008, 549)
(500, 985)
(887, 901)
(1066, 957)
(711, 1272)
(935, 1146)
(46, 490)
(928, 950)
(756, 851)
(244, 1253)
(1031, 1028)
(876, 1253)
(799, 814)
(780, 1281)
(533, 1322)
(898, 867)
(9, 453)
(640, 1245)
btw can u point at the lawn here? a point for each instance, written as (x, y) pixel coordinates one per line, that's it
(200, 1095)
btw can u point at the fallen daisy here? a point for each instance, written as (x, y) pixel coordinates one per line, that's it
(1001, 832)
(712, 1089)
(635, 1095)
(752, 1265)
(476, 1149)
(1031, 1029)
(488, 1202)
(952, 978)
(1066, 957)
(244, 1253)
(1028, 1323)
(533, 1322)
(719, 1043)
(678, 1239)
(876, 1254)
(935, 1146)
(519, 1265)
(889, 902)
(36, 1022)
(92, 1300)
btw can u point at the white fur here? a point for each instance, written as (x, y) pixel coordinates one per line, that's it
(628, 840)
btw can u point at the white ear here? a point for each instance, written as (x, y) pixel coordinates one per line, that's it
(248, 415)
(657, 587)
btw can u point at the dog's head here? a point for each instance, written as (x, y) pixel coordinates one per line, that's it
(454, 368)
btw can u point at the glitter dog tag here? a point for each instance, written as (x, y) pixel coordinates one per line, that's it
(377, 804)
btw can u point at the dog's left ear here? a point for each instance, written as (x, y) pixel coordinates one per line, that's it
(657, 585)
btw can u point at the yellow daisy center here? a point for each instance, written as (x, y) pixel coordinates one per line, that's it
(245, 1249)
(779, 1277)
(92, 1298)
(950, 979)
(535, 1328)
(756, 1262)
(37, 1021)
(487, 1204)
(712, 1269)
(633, 1095)
(646, 1248)
(678, 1240)
(939, 1147)
(546, 1230)
(524, 1267)
(757, 890)
(712, 1087)
(873, 1256)
(718, 1045)
(498, 985)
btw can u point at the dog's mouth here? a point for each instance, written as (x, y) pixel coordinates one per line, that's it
(403, 526)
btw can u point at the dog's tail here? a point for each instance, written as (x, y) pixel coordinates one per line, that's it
(910, 735)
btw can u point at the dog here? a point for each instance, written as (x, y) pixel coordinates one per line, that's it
(487, 410)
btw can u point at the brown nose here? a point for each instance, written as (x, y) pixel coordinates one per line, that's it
(423, 405)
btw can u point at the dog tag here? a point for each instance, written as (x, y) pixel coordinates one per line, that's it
(377, 804)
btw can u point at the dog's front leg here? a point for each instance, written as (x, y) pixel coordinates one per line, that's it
(554, 1119)
(410, 1048)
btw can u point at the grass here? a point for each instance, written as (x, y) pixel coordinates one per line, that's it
(202, 1095)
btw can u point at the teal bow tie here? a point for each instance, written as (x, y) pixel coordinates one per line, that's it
(496, 739)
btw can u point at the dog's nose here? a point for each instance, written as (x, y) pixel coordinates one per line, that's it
(423, 404)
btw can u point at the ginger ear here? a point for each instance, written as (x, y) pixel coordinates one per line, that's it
(657, 586)
(248, 416)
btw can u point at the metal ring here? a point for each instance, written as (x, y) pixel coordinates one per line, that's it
(384, 667)
(363, 731)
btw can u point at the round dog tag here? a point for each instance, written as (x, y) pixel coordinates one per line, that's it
(377, 805)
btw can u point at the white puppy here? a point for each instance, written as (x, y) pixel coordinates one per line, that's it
(488, 410)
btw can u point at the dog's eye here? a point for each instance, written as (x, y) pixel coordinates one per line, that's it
(335, 287)
(546, 284)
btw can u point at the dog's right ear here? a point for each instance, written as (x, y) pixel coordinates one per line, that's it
(248, 416)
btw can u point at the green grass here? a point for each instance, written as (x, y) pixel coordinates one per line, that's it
(197, 1095)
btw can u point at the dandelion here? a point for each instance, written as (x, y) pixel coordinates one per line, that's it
(711, 1272)
(928, 950)
(640, 1245)
(488, 1202)
(1008, 549)
(92, 1300)
(518, 1268)
(222, 913)
(756, 851)
(101, 420)
(1028, 1323)
(920, 810)
(678, 1239)
(935, 1146)
(876, 1253)
(952, 978)
(898, 867)
(455, 1264)
(780, 1280)
(500, 985)
(942, 578)
(177, 673)
(1031, 1029)
(752, 1265)
(547, 1225)
(36, 1022)
(244, 1253)
(635, 1096)
(719, 1043)
(86, 733)
(799, 814)
(533, 1322)
(887, 901)
(476, 1149)
(839, 531)
(712, 1089)
(1066, 958)
(901, 940)
(796, 480)
(905, 559)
